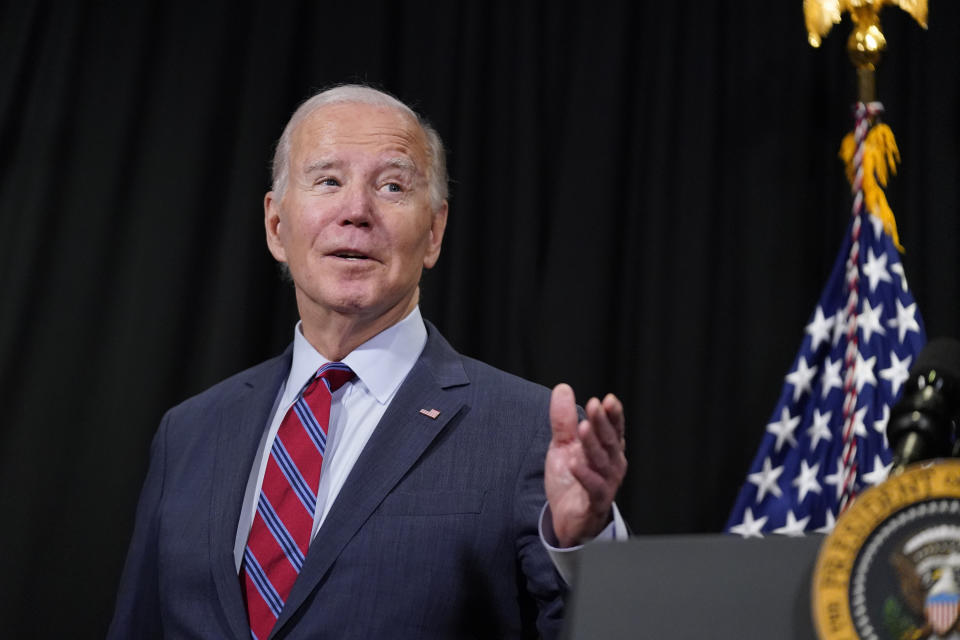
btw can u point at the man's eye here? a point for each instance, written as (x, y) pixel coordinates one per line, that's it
(328, 182)
(393, 187)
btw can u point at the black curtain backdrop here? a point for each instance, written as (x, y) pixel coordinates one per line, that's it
(646, 199)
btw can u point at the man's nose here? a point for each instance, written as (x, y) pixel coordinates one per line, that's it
(358, 207)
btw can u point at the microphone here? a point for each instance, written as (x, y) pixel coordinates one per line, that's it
(923, 424)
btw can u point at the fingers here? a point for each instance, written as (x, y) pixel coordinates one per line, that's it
(593, 433)
(563, 413)
(614, 409)
(602, 443)
(600, 437)
(605, 424)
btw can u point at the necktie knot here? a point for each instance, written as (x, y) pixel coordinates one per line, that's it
(335, 375)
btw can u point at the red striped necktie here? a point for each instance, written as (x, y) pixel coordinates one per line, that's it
(280, 534)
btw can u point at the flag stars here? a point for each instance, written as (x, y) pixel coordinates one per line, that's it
(826, 440)
(897, 268)
(820, 428)
(906, 319)
(897, 373)
(876, 269)
(881, 425)
(879, 472)
(806, 481)
(750, 527)
(863, 372)
(839, 325)
(766, 480)
(836, 478)
(859, 424)
(829, 524)
(831, 377)
(793, 528)
(801, 378)
(783, 429)
(819, 328)
(869, 320)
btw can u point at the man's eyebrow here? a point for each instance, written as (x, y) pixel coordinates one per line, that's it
(320, 165)
(404, 164)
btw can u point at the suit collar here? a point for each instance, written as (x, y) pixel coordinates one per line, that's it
(444, 364)
(387, 457)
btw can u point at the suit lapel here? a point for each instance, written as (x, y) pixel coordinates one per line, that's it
(398, 441)
(239, 431)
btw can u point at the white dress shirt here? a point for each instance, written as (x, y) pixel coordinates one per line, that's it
(381, 364)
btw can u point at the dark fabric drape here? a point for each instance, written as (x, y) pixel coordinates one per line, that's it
(646, 199)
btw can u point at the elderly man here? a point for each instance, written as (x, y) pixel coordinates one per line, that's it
(370, 482)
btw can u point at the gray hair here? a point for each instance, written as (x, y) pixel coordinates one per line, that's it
(361, 94)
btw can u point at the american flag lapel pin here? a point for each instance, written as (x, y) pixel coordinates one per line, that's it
(430, 413)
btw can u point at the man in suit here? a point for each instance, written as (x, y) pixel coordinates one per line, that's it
(450, 491)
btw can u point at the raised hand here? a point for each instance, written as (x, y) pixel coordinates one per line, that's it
(585, 464)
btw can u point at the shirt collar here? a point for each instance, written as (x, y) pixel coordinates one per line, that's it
(381, 363)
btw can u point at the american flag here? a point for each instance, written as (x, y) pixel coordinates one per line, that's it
(826, 440)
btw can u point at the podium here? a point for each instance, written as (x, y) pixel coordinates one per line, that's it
(707, 586)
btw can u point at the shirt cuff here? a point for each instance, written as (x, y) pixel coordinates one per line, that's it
(566, 559)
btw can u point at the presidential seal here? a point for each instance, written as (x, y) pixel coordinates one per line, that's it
(891, 567)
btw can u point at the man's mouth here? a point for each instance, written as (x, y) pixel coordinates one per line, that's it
(350, 255)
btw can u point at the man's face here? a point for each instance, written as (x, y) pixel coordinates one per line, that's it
(355, 224)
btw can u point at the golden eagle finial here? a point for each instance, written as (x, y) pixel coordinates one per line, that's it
(867, 41)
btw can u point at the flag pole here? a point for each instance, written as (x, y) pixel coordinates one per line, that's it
(826, 439)
(865, 47)
(870, 146)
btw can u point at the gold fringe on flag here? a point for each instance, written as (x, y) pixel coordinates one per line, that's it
(880, 159)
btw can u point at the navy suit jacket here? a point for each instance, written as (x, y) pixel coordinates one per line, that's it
(434, 534)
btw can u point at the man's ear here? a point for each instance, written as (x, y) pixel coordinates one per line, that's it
(438, 225)
(272, 225)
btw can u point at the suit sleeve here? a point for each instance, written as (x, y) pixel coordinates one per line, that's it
(543, 581)
(137, 613)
